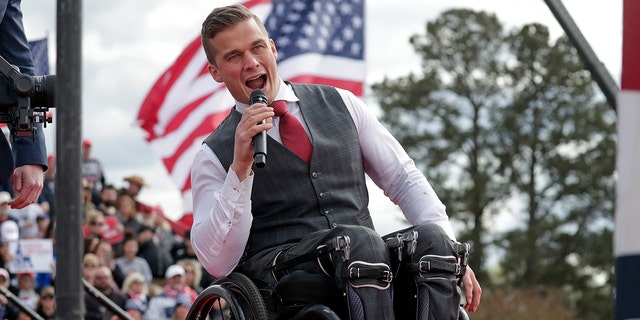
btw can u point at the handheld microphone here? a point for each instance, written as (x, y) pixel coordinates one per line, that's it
(260, 139)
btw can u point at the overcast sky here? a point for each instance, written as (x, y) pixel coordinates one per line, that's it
(128, 44)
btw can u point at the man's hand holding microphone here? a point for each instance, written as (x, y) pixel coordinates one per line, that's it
(251, 135)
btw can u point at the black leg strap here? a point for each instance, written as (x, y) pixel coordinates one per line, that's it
(341, 243)
(364, 271)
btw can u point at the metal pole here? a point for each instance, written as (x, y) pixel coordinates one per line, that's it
(69, 296)
(18, 303)
(598, 70)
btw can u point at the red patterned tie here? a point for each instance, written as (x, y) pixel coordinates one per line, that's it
(291, 131)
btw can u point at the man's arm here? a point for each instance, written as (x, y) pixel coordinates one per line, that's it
(222, 201)
(391, 168)
(30, 153)
(221, 214)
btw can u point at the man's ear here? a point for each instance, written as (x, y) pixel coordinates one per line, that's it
(213, 71)
(274, 49)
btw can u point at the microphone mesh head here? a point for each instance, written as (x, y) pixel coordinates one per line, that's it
(258, 96)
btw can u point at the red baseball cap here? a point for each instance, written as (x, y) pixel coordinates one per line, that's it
(86, 143)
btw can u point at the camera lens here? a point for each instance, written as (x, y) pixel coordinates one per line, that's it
(44, 91)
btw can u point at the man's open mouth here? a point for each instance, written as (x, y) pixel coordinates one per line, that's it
(257, 82)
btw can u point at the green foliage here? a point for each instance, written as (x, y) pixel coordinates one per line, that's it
(500, 117)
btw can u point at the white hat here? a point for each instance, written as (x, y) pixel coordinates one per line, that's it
(4, 197)
(9, 231)
(174, 270)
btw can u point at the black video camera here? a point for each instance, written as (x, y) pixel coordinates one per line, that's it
(24, 99)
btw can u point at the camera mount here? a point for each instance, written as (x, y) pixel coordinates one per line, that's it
(24, 99)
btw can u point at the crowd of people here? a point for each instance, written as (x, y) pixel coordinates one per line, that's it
(131, 254)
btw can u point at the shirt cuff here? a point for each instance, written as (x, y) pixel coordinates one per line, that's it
(238, 190)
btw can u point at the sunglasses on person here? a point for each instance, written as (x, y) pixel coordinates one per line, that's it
(96, 223)
(47, 296)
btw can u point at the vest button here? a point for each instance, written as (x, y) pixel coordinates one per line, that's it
(315, 175)
(326, 211)
(322, 195)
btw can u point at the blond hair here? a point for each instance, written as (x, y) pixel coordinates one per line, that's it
(132, 277)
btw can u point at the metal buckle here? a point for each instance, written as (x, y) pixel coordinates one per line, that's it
(412, 239)
(462, 249)
(458, 268)
(386, 276)
(343, 243)
(400, 245)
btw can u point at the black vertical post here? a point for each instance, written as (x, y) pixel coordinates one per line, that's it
(69, 296)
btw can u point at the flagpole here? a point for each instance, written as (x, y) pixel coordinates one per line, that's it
(627, 238)
(69, 287)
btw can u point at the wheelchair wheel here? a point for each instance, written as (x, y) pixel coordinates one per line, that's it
(247, 296)
(463, 315)
(243, 298)
(205, 301)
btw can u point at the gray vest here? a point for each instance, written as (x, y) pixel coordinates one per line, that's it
(292, 198)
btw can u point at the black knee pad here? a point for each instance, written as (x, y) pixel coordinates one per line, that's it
(428, 289)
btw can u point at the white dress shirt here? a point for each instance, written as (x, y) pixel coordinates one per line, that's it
(222, 203)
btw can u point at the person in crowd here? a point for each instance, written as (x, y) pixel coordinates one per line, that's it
(27, 220)
(42, 221)
(184, 250)
(91, 242)
(162, 306)
(183, 303)
(29, 152)
(10, 231)
(135, 290)
(5, 254)
(47, 197)
(322, 143)
(87, 196)
(94, 223)
(90, 263)
(129, 262)
(150, 251)
(46, 306)
(92, 171)
(163, 236)
(8, 310)
(136, 184)
(192, 273)
(104, 251)
(108, 197)
(103, 281)
(5, 198)
(26, 290)
(126, 211)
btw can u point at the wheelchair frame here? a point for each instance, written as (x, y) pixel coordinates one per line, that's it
(245, 302)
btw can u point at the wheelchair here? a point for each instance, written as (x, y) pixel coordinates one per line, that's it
(302, 296)
(245, 302)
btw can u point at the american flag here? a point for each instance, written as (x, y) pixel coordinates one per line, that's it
(318, 41)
